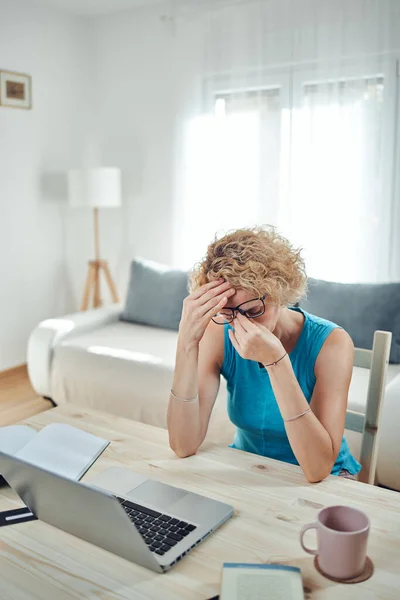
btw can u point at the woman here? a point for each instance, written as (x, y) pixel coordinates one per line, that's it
(288, 372)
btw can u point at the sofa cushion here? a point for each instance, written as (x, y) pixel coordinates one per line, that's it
(359, 386)
(122, 368)
(155, 295)
(360, 308)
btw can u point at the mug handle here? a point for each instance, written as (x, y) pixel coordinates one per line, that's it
(302, 532)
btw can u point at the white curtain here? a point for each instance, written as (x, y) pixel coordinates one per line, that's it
(294, 125)
(337, 204)
(232, 162)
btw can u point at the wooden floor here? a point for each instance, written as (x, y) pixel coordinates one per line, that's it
(18, 400)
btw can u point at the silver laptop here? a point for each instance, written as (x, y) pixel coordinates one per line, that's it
(147, 522)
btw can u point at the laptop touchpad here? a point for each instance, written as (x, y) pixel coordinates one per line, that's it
(156, 494)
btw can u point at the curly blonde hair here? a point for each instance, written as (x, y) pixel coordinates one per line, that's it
(256, 259)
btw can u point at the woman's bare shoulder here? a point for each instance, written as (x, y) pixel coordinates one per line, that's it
(337, 349)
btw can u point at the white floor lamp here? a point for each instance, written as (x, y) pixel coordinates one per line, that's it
(96, 188)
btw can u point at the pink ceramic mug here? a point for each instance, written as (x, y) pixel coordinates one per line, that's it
(342, 534)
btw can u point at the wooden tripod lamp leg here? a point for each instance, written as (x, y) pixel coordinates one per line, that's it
(96, 262)
(110, 281)
(93, 276)
(96, 297)
(88, 286)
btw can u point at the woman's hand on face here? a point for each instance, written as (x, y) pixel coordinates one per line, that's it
(254, 341)
(199, 307)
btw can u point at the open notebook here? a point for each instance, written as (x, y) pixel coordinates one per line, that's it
(60, 448)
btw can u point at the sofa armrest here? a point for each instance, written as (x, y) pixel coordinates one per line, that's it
(51, 332)
(388, 463)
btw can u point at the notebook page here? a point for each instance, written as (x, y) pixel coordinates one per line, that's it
(63, 449)
(14, 437)
(261, 582)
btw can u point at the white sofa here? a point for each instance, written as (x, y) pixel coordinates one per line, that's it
(94, 360)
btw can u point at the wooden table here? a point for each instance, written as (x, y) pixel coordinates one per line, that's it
(272, 501)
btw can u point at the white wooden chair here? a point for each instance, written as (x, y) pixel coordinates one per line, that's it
(377, 361)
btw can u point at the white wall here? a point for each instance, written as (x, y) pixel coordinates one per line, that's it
(148, 78)
(35, 147)
(136, 99)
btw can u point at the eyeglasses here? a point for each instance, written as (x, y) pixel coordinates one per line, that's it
(250, 309)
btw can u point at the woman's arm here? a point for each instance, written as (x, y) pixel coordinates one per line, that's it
(197, 370)
(316, 437)
(199, 357)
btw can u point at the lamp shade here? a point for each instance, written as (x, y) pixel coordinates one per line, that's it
(95, 188)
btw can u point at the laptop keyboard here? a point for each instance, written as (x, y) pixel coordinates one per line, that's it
(160, 532)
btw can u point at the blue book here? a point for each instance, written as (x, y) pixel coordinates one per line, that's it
(246, 581)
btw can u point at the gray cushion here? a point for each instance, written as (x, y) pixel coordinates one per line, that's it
(360, 308)
(155, 295)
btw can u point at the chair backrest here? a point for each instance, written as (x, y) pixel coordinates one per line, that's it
(377, 361)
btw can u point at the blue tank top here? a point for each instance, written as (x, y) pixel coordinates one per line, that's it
(252, 406)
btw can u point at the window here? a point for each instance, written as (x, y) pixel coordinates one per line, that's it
(311, 162)
(231, 170)
(336, 198)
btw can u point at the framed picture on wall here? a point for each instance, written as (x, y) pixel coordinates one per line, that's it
(15, 90)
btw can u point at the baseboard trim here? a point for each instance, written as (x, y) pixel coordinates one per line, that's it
(19, 370)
